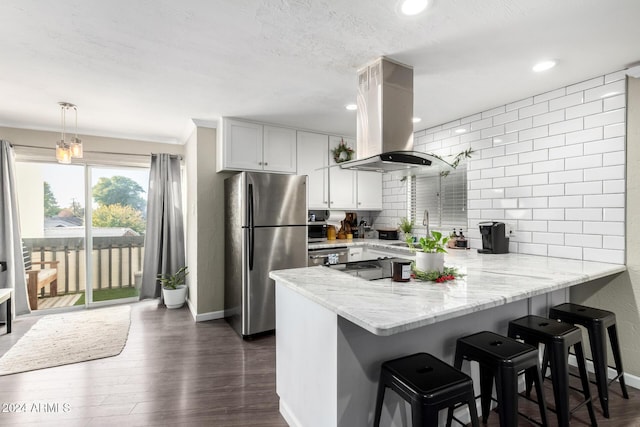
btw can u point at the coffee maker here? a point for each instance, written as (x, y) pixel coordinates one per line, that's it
(494, 240)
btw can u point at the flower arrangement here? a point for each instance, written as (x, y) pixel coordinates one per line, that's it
(342, 153)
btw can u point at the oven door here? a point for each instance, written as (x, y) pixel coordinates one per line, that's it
(328, 256)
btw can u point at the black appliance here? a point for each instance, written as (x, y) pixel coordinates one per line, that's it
(317, 231)
(494, 240)
(387, 234)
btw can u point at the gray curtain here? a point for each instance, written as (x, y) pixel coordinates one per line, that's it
(10, 240)
(164, 250)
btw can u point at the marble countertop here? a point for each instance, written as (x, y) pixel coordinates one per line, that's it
(384, 307)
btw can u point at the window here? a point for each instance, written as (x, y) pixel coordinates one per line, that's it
(445, 199)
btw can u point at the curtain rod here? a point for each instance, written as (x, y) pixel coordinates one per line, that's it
(86, 151)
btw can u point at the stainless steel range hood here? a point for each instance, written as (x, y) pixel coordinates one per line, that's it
(384, 126)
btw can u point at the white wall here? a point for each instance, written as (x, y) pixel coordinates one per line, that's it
(552, 165)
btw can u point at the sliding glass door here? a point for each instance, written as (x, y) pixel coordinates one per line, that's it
(56, 224)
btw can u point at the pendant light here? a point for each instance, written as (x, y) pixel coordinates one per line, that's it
(65, 150)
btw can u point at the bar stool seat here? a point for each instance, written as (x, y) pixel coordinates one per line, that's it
(501, 358)
(596, 321)
(557, 337)
(429, 384)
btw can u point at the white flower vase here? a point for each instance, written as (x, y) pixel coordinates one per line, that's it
(175, 298)
(429, 261)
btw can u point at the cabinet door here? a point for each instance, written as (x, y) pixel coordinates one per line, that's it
(312, 160)
(242, 145)
(342, 183)
(279, 149)
(369, 190)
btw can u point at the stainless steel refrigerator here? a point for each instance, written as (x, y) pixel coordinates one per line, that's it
(265, 230)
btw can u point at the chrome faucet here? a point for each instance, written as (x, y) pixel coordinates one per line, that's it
(425, 221)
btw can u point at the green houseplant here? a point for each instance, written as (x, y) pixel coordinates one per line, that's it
(406, 227)
(174, 288)
(433, 248)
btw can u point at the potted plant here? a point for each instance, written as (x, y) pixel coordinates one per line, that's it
(174, 289)
(406, 227)
(433, 249)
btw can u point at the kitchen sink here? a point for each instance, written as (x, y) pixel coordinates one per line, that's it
(401, 244)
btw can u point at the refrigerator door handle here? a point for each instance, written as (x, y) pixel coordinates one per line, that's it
(251, 229)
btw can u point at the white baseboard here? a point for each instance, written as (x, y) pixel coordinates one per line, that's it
(630, 380)
(288, 416)
(203, 317)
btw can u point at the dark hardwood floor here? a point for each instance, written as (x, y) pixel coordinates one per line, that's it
(174, 372)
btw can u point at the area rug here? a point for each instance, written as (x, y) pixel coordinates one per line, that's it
(61, 339)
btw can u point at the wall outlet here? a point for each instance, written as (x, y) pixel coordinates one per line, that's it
(509, 229)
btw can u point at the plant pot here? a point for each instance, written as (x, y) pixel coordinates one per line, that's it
(426, 261)
(175, 298)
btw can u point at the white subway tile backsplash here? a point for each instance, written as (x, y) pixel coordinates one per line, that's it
(565, 226)
(533, 156)
(538, 132)
(524, 169)
(480, 184)
(510, 181)
(566, 126)
(473, 194)
(565, 202)
(613, 242)
(615, 102)
(548, 238)
(548, 190)
(492, 214)
(548, 214)
(604, 201)
(605, 91)
(518, 125)
(532, 249)
(533, 179)
(617, 129)
(493, 112)
(583, 215)
(617, 75)
(583, 162)
(566, 101)
(493, 152)
(604, 146)
(532, 225)
(469, 119)
(564, 252)
(566, 176)
(505, 203)
(481, 124)
(500, 119)
(475, 163)
(550, 95)
(604, 173)
(473, 175)
(505, 160)
(470, 136)
(611, 159)
(519, 104)
(568, 151)
(440, 135)
(521, 236)
(603, 119)
(550, 165)
(582, 110)
(518, 214)
(492, 193)
(548, 142)
(480, 204)
(492, 173)
(583, 240)
(518, 191)
(575, 188)
(604, 228)
(473, 214)
(491, 132)
(481, 144)
(580, 136)
(587, 84)
(552, 117)
(613, 214)
(533, 202)
(451, 125)
(603, 255)
(520, 147)
(533, 110)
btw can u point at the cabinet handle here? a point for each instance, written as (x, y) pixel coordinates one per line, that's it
(265, 163)
(260, 163)
(359, 203)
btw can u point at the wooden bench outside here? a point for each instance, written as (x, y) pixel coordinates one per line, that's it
(37, 280)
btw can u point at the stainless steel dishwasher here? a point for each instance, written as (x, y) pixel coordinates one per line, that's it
(331, 256)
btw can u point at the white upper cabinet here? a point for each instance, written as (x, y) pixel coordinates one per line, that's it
(342, 182)
(369, 191)
(312, 160)
(254, 147)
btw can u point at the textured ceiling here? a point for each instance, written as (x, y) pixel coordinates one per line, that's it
(143, 69)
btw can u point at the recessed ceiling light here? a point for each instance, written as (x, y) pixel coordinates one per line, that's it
(416, 120)
(351, 107)
(544, 66)
(413, 7)
(461, 130)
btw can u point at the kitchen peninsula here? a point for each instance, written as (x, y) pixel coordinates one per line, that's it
(335, 330)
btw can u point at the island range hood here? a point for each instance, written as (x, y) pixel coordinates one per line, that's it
(384, 122)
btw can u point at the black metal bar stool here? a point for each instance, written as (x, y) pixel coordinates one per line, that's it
(429, 384)
(501, 358)
(557, 337)
(596, 322)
